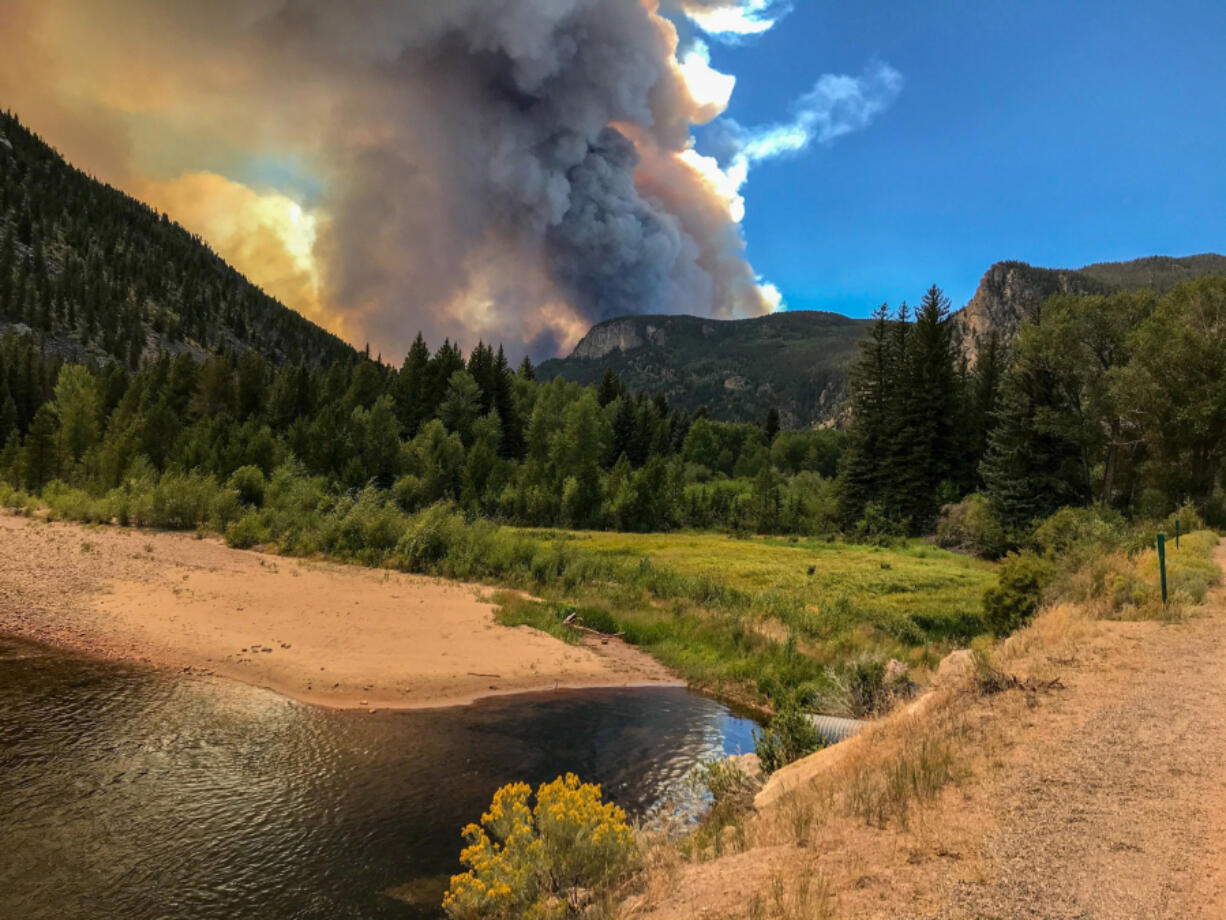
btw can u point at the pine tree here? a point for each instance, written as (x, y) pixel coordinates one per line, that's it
(410, 386)
(771, 427)
(625, 429)
(511, 442)
(1030, 471)
(611, 387)
(860, 476)
(40, 455)
(526, 370)
(985, 394)
(8, 414)
(446, 361)
(928, 439)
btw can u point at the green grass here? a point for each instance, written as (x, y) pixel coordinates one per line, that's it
(745, 618)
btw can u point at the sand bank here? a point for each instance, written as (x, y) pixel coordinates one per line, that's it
(327, 634)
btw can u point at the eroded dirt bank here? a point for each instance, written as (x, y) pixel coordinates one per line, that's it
(327, 634)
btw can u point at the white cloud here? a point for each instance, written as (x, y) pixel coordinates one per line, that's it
(837, 105)
(731, 21)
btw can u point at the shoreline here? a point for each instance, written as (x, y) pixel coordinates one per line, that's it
(320, 633)
(78, 650)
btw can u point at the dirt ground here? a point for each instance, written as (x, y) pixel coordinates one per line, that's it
(333, 635)
(1103, 798)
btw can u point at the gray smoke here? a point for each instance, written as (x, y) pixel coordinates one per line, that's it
(498, 130)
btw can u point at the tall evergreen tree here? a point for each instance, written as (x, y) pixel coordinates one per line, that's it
(926, 432)
(610, 388)
(771, 427)
(40, 452)
(411, 386)
(860, 478)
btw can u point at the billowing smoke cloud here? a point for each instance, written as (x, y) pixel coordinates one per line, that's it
(507, 169)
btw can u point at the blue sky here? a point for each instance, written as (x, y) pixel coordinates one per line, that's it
(1052, 132)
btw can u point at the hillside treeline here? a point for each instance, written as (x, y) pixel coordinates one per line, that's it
(444, 427)
(1116, 402)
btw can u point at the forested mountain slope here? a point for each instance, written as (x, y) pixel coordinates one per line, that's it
(796, 361)
(96, 273)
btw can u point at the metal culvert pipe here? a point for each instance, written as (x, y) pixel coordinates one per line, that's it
(833, 729)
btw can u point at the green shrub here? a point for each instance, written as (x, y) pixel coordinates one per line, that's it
(1011, 603)
(1187, 517)
(972, 526)
(861, 685)
(1077, 533)
(249, 483)
(876, 528)
(428, 537)
(367, 528)
(730, 787)
(408, 492)
(789, 737)
(246, 532)
(68, 503)
(224, 508)
(181, 501)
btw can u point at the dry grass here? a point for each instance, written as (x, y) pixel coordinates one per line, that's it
(1118, 586)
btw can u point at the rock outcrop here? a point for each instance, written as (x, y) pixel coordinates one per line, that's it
(1010, 293)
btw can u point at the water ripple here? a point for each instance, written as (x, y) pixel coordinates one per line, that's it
(133, 795)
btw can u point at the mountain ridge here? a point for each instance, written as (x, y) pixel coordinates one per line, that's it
(798, 360)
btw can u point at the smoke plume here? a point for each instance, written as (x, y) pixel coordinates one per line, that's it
(507, 169)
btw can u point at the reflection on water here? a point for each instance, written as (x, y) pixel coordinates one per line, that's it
(130, 794)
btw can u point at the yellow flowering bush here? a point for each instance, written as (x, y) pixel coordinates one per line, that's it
(535, 862)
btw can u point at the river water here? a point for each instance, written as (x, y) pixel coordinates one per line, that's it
(128, 794)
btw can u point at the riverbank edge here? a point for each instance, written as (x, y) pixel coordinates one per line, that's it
(61, 610)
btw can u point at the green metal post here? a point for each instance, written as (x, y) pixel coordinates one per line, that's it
(1176, 534)
(1162, 563)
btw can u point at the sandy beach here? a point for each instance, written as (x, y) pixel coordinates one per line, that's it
(327, 634)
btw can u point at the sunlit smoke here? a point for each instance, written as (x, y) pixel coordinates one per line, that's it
(710, 89)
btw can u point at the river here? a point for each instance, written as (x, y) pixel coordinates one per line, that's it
(133, 794)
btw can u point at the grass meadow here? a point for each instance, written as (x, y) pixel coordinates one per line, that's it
(759, 618)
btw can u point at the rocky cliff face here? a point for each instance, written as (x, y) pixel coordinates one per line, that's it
(624, 334)
(1011, 293)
